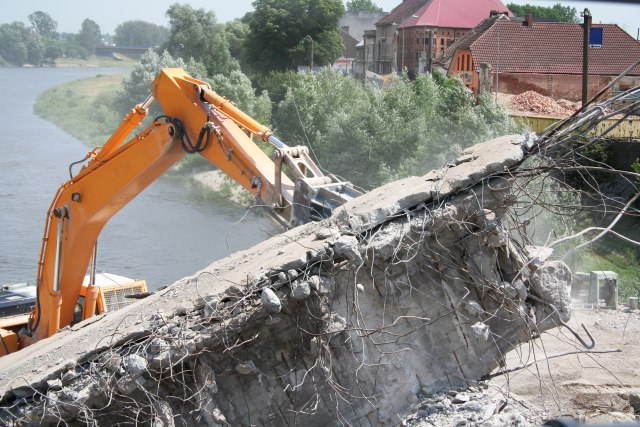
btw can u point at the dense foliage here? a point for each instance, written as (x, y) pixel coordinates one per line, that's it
(235, 85)
(363, 6)
(20, 45)
(43, 24)
(89, 35)
(140, 34)
(195, 33)
(137, 85)
(557, 12)
(371, 135)
(40, 44)
(287, 33)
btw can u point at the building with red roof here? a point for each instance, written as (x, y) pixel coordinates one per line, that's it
(542, 56)
(416, 30)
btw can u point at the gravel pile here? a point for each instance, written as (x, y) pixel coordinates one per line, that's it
(533, 102)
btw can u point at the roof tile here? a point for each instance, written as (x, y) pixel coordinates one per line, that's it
(552, 48)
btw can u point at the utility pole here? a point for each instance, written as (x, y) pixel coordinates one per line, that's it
(429, 51)
(586, 27)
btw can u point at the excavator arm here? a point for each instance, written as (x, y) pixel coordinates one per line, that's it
(197, 120)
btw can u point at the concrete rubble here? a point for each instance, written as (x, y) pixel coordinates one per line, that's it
(414, 288)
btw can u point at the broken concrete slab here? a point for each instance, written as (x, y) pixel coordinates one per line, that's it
(406, 295)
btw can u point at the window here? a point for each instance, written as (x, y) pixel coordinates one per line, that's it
(441, 42)
(417, 40)
(469, 62)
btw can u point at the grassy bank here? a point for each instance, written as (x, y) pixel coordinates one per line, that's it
(95, 61)
(81, 107)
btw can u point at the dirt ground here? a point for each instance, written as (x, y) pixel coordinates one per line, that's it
(591, 387)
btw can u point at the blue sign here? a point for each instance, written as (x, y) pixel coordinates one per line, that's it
(595, 37)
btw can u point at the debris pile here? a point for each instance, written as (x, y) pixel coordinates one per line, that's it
(533, 102)
(415, 287)
(471, 406)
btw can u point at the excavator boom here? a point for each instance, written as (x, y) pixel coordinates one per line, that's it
(197, 120)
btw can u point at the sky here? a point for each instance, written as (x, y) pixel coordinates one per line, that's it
(108, 14)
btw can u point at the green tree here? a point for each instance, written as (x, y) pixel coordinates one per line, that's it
(137, 85)
(557, 12)
(20, 45)
(238, 88)
(13, 46)
(43, 24)
(89, 35)
(195, 33)
(236, 33)
(140, 34)
(53, 50)
(363, 6)
(372, 135)
(288, 33)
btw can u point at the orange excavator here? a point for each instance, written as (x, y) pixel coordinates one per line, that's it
(196, 120)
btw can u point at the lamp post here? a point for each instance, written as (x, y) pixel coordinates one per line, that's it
(585, 55)
(497, 55)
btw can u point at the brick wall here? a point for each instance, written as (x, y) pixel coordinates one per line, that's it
(567, 86)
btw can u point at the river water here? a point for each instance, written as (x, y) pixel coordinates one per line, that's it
(164, 234)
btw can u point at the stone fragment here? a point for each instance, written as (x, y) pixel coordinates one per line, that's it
(271, 301)
(135, 365)
(508, 290)
(473, 308)
(551, 282)
(314, 282)
(326, 285)
(218, 417)
(55, 384)
(157, 345)
(634, 402)
(300, 290)
(498, 237)
(347, 246)
(113, 363)
(211, 307)
(126, 385)
(246, 368)
(536, 255)
(520, 288)
(481, 331)
(460, 398)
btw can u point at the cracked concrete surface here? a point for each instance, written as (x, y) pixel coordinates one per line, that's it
(412, 288)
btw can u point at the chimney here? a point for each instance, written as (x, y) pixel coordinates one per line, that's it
(528, 20)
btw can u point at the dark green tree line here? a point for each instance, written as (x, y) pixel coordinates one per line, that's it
(195, 33)
(140, 34)
(287, 33)
(557, 12)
